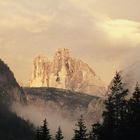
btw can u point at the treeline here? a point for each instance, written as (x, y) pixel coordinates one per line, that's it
(121, 118)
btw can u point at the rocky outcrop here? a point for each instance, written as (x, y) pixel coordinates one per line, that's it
(67, 73)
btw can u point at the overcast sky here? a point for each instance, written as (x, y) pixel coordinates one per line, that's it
(103, 33)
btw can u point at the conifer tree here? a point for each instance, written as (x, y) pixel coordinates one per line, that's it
(136, 96)
(59, 135)
(45, 132)
(115, 108)
(81, 132)
(133, 120)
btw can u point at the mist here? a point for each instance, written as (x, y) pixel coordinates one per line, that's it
(36, 115)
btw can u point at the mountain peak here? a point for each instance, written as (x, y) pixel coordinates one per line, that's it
(62, 53)
(63, 50)
(67, 73)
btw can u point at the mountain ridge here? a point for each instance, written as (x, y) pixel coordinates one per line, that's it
(66, 103)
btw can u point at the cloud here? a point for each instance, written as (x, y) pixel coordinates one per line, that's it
(111, 8)
(31, 27)
(36, 114)
(15, 14)
(122, 30)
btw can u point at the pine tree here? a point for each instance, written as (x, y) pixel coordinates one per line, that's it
(133, 120)
(81, 131)
(136, 96)
(115, 107)
(59, 135)
(45, 132)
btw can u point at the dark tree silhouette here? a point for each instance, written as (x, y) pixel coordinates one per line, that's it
(81, 132)
(133, 118)
(115, 112)
(115, 105)
(44, 131)
(59, 135)
(134, 103)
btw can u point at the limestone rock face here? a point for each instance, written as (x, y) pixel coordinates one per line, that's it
(40, 74)
(67, 73)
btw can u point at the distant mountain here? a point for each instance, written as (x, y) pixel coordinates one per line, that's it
(67, 73)
(131, 75)
(9, 88)
(65, 103)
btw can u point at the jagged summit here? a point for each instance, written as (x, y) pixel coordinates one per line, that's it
(63, 51)
(65, 72)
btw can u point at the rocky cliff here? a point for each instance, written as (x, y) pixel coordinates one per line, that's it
(67, 73)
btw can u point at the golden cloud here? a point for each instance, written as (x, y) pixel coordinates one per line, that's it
(121, 29)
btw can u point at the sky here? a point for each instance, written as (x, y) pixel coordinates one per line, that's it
(103, 33)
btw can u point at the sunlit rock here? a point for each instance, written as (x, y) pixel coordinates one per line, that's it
(66, 72)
